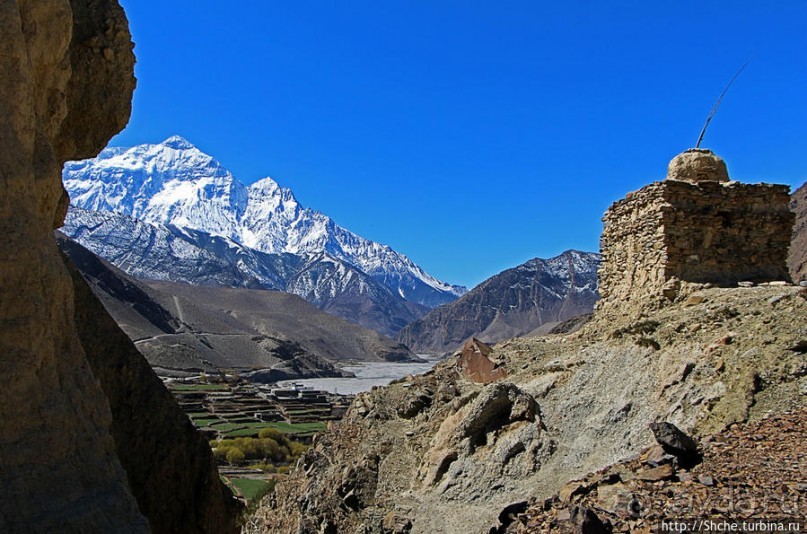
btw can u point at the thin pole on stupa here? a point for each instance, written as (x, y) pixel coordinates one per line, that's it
(717, 104)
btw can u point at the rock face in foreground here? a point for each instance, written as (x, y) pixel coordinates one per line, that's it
(797, 258)
(537, 294)
(59, 470)
(66, 81)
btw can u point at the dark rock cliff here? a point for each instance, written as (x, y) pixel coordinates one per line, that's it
(169, 464)
(66, 82)
(515, 302)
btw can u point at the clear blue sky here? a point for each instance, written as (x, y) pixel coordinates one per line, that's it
(472, 136)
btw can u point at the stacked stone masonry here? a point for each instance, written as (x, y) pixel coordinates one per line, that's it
(707, 231)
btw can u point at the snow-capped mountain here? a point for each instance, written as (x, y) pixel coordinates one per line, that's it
(174, 183)
(531, 297)
(156, 251)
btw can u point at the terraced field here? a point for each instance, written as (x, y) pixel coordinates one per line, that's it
(226, 411)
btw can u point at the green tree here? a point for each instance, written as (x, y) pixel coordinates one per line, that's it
(297, 449)
(235, 456)
(220, 453)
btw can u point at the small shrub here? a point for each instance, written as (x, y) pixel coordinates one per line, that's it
(226, 443)
(220, 454)
(273, 451)
(297, 449)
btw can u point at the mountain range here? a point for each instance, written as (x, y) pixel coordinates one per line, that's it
(169, 212)
(270, 334)
(154, 251)
(528, 299)
(171, 198)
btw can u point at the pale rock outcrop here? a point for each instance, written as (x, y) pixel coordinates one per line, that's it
(503, 423)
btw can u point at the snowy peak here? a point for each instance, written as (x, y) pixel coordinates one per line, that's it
(174, 183)
(264, 188)
(154, 251)
(177, 143)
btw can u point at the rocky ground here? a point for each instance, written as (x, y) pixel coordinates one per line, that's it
(753, 472)
(441, 453)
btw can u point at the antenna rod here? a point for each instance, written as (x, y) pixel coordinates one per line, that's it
(717, 104)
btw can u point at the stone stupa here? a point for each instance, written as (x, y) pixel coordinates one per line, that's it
(696, 226)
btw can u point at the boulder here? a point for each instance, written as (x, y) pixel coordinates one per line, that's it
(475, 363)
(587, 522)
(676, 442)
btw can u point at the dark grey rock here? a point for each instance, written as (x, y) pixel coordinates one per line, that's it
(587, 522)
(676, 442)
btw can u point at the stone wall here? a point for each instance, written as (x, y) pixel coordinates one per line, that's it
(632, 246)
(699, 229)
(727, 233)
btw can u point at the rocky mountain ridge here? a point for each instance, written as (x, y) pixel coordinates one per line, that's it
(161, 252)
(189, 328)
(529, 298)
(174, 183)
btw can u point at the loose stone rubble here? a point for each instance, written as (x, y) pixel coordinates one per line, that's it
(750, 471)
